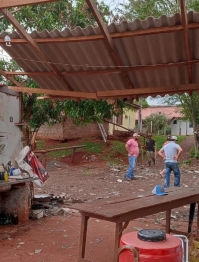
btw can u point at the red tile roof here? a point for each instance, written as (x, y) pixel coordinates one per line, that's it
(169, 111)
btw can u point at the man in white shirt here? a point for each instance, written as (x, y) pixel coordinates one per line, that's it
(170, 153)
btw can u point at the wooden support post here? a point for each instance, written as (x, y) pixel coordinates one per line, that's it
(43, 159)
(73, 154)
(168, 221)
(118, 234)
(191, 216)
(83, 233)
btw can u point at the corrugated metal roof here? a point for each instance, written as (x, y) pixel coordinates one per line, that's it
(84, 56)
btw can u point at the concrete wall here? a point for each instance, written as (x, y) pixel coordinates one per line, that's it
(180, 127)
(10, 134)
(68, 130)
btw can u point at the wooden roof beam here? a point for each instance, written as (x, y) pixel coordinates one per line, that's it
(186, 38)
(106, 71)
(11, 79)
(35, 46)
(150, 31)
(12, 3)
(53, 92)
(149, 91)
(109, 41)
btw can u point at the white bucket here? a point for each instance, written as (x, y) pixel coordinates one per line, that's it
(37, 211)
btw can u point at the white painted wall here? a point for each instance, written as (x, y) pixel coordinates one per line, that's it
(181, 128)
(10, 135)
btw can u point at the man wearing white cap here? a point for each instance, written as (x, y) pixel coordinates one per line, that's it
(133, 152)
(170, 153)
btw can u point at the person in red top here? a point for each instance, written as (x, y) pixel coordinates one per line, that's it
(133, 153)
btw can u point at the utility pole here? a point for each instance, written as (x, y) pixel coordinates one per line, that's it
(140, 116)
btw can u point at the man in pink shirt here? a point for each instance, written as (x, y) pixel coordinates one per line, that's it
(133, 153)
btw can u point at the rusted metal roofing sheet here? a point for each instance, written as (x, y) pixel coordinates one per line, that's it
(93, 62)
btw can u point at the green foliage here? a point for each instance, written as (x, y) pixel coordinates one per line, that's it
(160, 140)
(57, 15)
(193, 153)
(189, 105)
(159, 121)
(88, 111)
(116, 150)
(143, 9)
(145, 103)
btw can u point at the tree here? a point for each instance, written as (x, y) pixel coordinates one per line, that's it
(189, 105)
(59, 15)
(142, 9)
(156, 122)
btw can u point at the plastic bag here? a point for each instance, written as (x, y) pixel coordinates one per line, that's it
(28, 161)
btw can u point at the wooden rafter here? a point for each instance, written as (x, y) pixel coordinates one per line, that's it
(149, 91)
(10, 78)
(70, 39)
(107, 71)
(12, 3)
(14, 11)
(186, 38)
(138, 92)
(109, 41)
(53, 92)
(35, 46)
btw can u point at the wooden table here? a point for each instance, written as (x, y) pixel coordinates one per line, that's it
(121, 210)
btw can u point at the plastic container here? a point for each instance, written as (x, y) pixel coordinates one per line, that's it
(1, 172)
(150, 246)
(37, 211)
(194, 251)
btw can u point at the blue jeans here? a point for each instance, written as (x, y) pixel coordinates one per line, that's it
(132, 164)
(170, 166)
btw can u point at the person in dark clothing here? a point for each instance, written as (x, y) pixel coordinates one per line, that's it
(150, 149)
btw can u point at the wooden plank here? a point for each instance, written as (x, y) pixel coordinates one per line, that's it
(35, 46)
(149, 90)
(53, 92)
(98, 203)
(83, 234)
(142, 32)
(9, 77)
(109, 42)
(58, 148)
(186, 37)
(12, 3)
(136, 204)
(177, 198)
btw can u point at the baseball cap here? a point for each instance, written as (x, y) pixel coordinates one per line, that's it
(136, 134)
(174, 138)
(159, 190)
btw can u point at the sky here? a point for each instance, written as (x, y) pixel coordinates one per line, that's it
(155, 101)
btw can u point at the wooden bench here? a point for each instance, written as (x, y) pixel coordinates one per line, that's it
(43, 152)
(121, 210)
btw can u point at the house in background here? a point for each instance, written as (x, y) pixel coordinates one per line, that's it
(123, 124)
(175, 119)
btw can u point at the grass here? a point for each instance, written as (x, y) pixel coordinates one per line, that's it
(93, 147)
(113, 152)
(160, 140)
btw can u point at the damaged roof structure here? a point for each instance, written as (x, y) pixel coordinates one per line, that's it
(126, 60)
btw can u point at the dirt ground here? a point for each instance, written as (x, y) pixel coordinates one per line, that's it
(55, 238)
